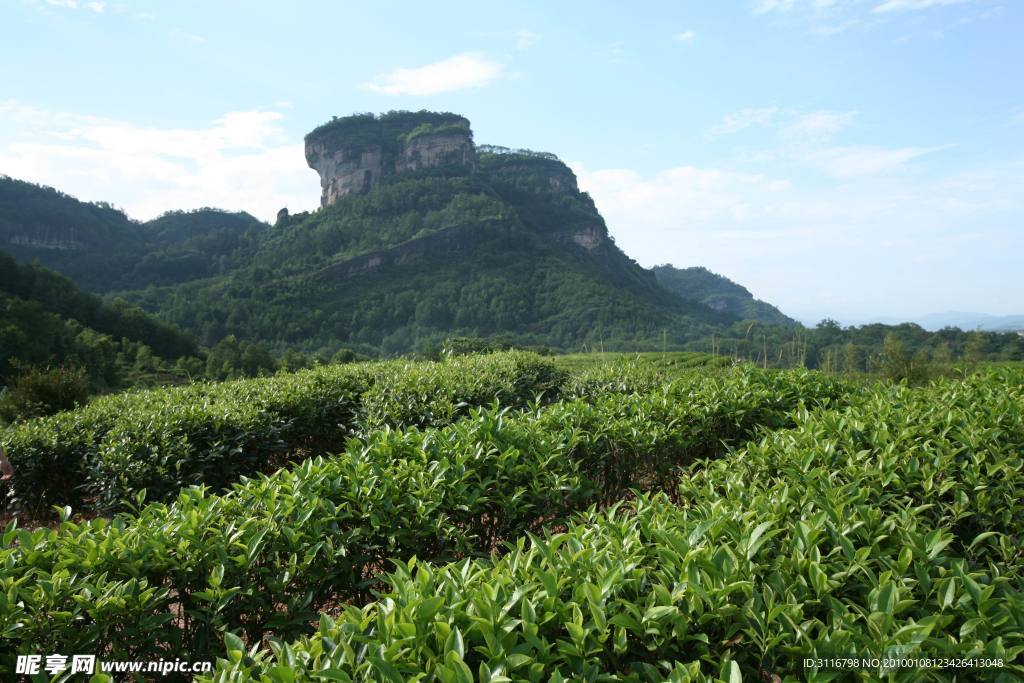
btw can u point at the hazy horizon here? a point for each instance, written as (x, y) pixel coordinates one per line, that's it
(844, 159)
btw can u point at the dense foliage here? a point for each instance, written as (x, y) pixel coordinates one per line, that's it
(265, 557)
(105, 454)
(59, 344)
(56, 294)
(36, 212)
(385, 130)
(101, 249)
(886, 530)
(720, 293)
(898, 352)
(309, 284)
(35, 392)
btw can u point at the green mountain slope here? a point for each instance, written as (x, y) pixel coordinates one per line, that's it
(497, 250)
(102, 250)
(422, 236)
(44, 319)
(719, 293)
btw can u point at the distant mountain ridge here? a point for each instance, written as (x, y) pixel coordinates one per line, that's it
(972, 321)
(102, 249)
(719, 293)
(934, 322)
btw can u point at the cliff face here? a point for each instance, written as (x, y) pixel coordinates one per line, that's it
(431, 150)
(355, 153)
(344, 171)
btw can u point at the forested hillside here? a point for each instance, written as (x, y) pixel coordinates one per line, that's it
(102, 250)
(440, 253)
(59, 344)
(719, 293)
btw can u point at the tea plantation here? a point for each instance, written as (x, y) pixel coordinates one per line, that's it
(508, 518)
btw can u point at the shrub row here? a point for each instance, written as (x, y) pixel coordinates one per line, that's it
(162, 440)
(267, 556)
(889, 530)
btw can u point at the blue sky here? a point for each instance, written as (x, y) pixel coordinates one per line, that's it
(849, 158)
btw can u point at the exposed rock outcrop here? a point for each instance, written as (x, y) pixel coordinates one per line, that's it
(344, 171)
(589, 239)
(354, 153)
(427, 151)
(37, 242)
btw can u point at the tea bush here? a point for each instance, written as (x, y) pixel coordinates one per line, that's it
(265, 557)
(890, 529)
(161, 440)
(422, 394)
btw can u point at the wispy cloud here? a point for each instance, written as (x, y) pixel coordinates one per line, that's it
(766, 6)
(905, 5)
(240, 161)
(901, 230)
(817, 125)
(744, 118)
(794, 126)
(459, 72)
(98, 7)
(832, 17)
(805, 139)
(685, 36)
(526, 39)
(864, 160)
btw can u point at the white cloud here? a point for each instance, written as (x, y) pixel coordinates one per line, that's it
(745, 118)
(685, 37)
(241, 161)
(863, 160)
(832, 17)
(459, 72)
(817, 125)
(904, 5)
(526, 39)
(765, 6)
(98, 7)
(802, 139)
(864, 243)
(659, 201)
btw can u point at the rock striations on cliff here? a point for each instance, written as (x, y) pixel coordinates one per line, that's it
(355, 153)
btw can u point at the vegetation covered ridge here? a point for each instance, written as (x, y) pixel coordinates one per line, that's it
(44, 291)
(383, 129)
